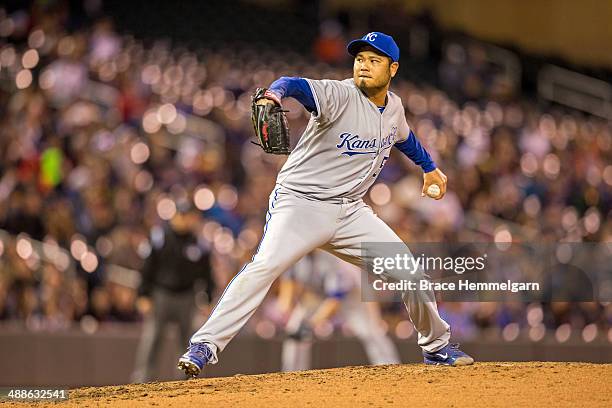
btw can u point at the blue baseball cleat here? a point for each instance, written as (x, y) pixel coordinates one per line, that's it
(196, 357)
(448, 355)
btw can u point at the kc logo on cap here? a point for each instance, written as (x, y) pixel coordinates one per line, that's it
(370, 37)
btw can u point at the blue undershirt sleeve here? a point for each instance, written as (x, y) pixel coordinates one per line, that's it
(412, 148)
(297, 88)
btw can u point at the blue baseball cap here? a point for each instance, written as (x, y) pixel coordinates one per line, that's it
(381, 41)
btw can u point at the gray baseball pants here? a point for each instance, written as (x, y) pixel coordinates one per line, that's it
(294, 227)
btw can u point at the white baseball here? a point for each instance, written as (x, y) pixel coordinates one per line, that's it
(433, 191)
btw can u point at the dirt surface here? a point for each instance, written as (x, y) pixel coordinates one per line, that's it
(481, 385)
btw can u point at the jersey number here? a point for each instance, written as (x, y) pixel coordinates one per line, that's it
(381, 166)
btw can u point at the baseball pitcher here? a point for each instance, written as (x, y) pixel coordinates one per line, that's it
(317, 201)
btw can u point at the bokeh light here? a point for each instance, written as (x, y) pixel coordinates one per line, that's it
(404, 329)
(590, 332)
(166, 113)
(535, 315)
(511, 331)
(150, 122)
(532, 205)
(227, 197)
(24, 248)
(30, 59)
(607, 175)
(7, 56)
(23, 79)
(224, 241)
(563, 333)
(502, 238)
(78, 247)
(265, 329)
(89, 261)
(36, 39)
(529, 164)
(139, 153)
(143, 181)
(47, 79)
(551, 166)
(537, 333)
(380, 194)
(203, 198)
(178, 125)
(592, 220)
(166, 208)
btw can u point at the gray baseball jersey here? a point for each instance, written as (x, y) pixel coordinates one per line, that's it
(345, 145)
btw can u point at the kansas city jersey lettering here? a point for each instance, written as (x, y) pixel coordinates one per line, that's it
(353, 144)
(392, 135)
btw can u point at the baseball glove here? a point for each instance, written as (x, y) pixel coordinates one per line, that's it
(270, 123)
(303, 333)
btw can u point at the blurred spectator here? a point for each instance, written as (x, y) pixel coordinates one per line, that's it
(177, 264)
(24, 214)
(330, 45)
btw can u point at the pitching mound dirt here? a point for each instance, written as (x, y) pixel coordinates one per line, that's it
(482, 385)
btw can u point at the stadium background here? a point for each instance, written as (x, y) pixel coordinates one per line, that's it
(115, 112)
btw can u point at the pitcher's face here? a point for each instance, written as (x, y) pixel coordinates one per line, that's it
(372, 70)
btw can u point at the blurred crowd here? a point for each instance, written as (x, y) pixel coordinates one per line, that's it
(104, 138)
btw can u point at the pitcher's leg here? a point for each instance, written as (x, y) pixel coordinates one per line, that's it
(291, 231)
(433, 332)
(362, 225)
